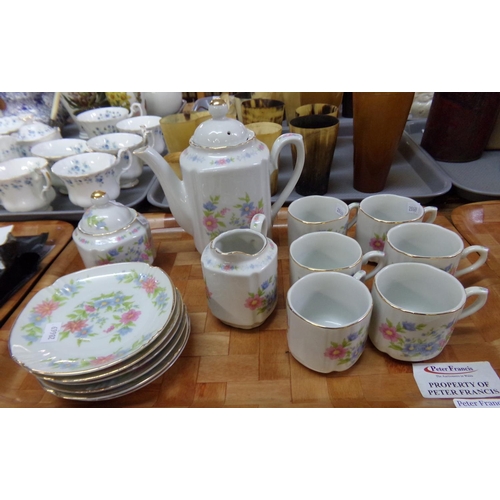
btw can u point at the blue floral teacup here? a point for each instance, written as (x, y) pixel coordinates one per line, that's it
(415, 309)
(101, 121)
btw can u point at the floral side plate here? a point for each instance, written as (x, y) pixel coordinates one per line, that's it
(92, 319)
(138, 383)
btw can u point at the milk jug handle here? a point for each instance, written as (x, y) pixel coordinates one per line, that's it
(259, 224)
(285, 139)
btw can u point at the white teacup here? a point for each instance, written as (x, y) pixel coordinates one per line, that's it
(319, 213)
(325, 251)
(8, 148)
(328, 317)
(101, 121)
(25, 185)
(33, 133)
(9, 124)
(433, 245)
(379, 213)
(112, 143)
(56, 150)
(145, 124)
(83, 174)
(415, 309)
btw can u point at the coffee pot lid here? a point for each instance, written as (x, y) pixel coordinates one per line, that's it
(105, 216)
(221, 131)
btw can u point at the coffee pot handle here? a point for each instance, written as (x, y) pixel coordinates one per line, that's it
(285, 139)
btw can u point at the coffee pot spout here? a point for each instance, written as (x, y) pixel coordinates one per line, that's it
(173, 188)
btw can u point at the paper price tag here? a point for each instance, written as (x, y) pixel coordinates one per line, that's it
(339, 211)
(51, 332)
(457, 380)
(412, 209)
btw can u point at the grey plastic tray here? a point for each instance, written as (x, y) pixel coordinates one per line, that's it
(63, 209)
(477, 180)
(413, 173)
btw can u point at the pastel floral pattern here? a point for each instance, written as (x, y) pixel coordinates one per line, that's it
(218, 219)
(138, 250)
(264, 299)
(349, 350)
(378, 242)
(405, 338)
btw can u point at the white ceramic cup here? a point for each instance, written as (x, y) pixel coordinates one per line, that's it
(325, 251)
(319, 213)
(83, 174)
(379, 213)
(56, 150)
(328, 317)
(433, 245)
(112, 143)
(415, 309)
(25, 185)
(143, 125)
(8, 148)
(101, 121)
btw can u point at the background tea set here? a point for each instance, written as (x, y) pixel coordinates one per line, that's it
(219, 174)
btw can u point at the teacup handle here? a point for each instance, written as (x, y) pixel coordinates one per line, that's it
(351, 207)
(119, 157)
(431, 213)
(483, 255)
(298, 141)
(360, 276)
(48, 183)
(374, 256)
(482, 296)
(259, 224)
(136, 107)
(147, 136)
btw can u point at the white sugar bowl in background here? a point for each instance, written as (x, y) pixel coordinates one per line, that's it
(34, 133)
(25, 185)
(56, 150)
(8, 148)
(101, 121)
(162, 103)
(83, 174)
(145, 124)
(240, 269)
(112, 143)
(110, 232)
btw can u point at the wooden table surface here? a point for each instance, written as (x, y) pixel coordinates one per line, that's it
(228, 367)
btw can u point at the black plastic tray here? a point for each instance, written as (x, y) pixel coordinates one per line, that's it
(414, 173)
(477, 180)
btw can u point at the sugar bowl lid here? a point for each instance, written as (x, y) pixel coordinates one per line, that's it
(105, 216)
(221, 131)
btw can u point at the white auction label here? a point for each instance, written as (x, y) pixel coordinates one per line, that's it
(51, 332)
(457, 380)
(476, 403)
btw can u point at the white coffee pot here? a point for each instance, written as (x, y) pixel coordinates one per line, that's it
(225, 177)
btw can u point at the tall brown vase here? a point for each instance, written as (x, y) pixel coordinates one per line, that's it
(460, 124)
(379, 119)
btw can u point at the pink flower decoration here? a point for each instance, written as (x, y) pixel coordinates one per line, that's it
(46, 308)
(255, 211)
(253, 302)
(388, 332)
(149, 284)
(130, 316)
(75, 326)
(377, 244)
(338, 352)
(210, 223)
(89, 309)
(101, 360)
(110, 329)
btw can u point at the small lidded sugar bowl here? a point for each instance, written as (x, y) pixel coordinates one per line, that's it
(110, 232)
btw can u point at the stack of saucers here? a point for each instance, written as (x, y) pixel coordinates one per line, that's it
(103, 332)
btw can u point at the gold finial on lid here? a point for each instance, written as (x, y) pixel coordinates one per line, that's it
(96, 195)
